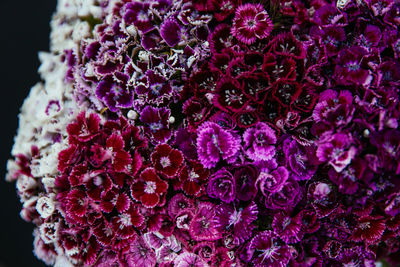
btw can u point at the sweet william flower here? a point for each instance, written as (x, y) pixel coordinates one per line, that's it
(202, 227)
(215, 144)
(240, 220)
(337, 150)
(166, 160)
(221, 185)
(259, 142)
(193, 176)
(140, 254)
(272, 182)
(149, 188)
(251, 22)
(265, 250)
(187, 259)
(156, 123)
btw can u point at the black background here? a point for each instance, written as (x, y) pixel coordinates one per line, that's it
(25, 29)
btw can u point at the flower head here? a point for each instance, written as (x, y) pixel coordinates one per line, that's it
(251, 22)
(215, 144)
(149, 189)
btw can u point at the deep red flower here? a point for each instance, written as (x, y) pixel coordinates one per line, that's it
(149, 188)
(166, 160)
(84, 129)
(123, 223)
(192, 176)
(368, 229)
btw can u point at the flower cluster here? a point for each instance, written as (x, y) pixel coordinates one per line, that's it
(216, 133)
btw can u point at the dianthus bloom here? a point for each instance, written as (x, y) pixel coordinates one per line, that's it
(251, 22)
(259, 142)
(215, 143)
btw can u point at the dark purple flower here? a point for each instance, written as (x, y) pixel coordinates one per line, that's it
(286, 198)
(259, 142)
(156, 87)
(329, 15)
(333, 37)
(170, 31)
(251, 22)
(139, 14)
(151, 40)
(222, 185)
(350, 69)
(245, 179)
(156, 122)
(300, 159)
(116, 94)
(215, 144)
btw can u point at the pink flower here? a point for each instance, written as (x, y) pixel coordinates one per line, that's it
(251, 22)
(188, 259)
(149, 188)
(140, 254)
(202, 226)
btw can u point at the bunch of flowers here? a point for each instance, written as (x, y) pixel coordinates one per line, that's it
(215, 133)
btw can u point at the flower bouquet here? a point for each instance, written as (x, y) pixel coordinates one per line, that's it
(214, 133)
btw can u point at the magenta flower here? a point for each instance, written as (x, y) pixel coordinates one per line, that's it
(202, 226)
(259, 142)
(337, 150)
(215, 144)
(239, 220)
(265, 250)
(251, 22)
(287, 228)
(154, 87)
(272, 182)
